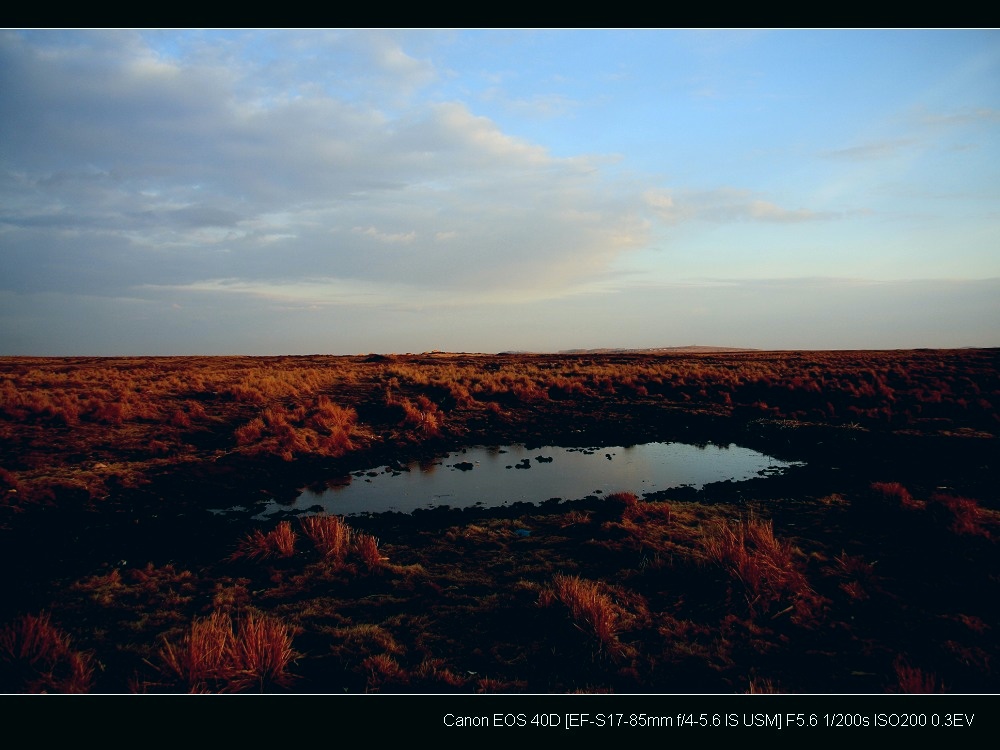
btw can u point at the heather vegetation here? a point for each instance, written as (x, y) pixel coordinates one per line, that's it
(873, 568)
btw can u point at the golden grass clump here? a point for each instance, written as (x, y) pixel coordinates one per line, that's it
(914, 680)
(102, 589)
(202, 659)
(435, 672)
(316, 427)
(592, 609)
(40, 658)
(329, 534)
(250, 432)
(334, 539)
(263, 651)
(861, 573)
(424, 415)
(364, 638)
(962, 514)
(762, 686)
(213, 657)
(278, 542)
(383, 670)
(367, 549)
(895, 494)
(763, 564)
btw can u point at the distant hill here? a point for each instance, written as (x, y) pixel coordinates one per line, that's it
(661, 350)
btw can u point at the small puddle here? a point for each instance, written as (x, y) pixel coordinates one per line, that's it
(497, 476)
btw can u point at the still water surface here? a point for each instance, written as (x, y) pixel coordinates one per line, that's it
(500, 475)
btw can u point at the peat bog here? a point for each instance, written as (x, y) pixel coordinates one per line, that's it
(868, 565)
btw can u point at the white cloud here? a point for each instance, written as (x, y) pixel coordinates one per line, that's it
(200, 165)
(724, 205)
(390, 237)
(278, 183)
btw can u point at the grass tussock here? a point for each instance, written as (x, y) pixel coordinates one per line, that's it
(860, 575)
(961, 515)
(279, 542)
(314, 427)
(330, 535)
(263, 653)
(367, 549)
(914, 680)
(894, 495)
(383, 671)
(424, 416)
(762, 686)
(766, 567)
(38, 657)
(336, 541)
(202, 660)
(592, 609)
(213, 656)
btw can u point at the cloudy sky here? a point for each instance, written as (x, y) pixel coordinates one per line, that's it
(350, 191)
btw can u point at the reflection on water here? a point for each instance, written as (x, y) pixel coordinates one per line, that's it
(494, 476)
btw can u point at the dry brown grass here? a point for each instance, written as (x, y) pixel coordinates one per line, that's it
(133, 403)
(330, 535)
(40, 658)
(310, 427)
(103, 589)
(335, 540)
(593, 611)
(212, 657)
(260, 545)
(367, 549)
(914, 680)
(202, 661)
(861, 573)
(765, 566)
(762, 686)
(365, 638)
(963, 515)
(435, 672)
(230, 595)
(263, 653)
(85, 424)
(424, 415)
(895, 495)
(383, 670)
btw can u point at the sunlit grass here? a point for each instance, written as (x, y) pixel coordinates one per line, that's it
(766, 567)
(38, 657)
(592, 609)
(213, 656)
(612, 595)
(260, 545)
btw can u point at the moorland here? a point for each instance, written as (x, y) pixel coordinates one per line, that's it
(869, 567)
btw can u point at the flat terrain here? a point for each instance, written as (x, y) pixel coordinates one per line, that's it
(872, 568)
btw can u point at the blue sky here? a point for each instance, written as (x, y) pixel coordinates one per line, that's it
(348, 191)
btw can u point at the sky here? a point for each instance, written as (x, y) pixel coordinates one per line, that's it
(378, 190)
